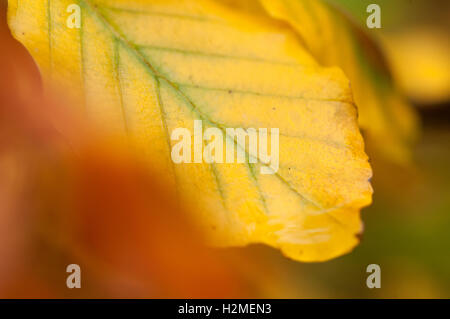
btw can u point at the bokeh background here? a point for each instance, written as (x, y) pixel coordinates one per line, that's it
(51, 192)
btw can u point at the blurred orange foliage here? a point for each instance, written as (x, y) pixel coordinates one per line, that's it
(69, 196)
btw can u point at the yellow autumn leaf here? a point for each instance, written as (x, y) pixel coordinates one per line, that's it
(390, 123)
(148, 68)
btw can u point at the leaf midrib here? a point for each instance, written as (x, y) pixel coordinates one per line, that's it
(116, 32)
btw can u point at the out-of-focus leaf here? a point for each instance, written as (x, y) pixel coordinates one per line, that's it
(414, 36)
(420, 58)
(388, 121)
(148, 67)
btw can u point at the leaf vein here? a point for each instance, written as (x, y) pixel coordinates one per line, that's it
(217, 55)
(135, 50)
